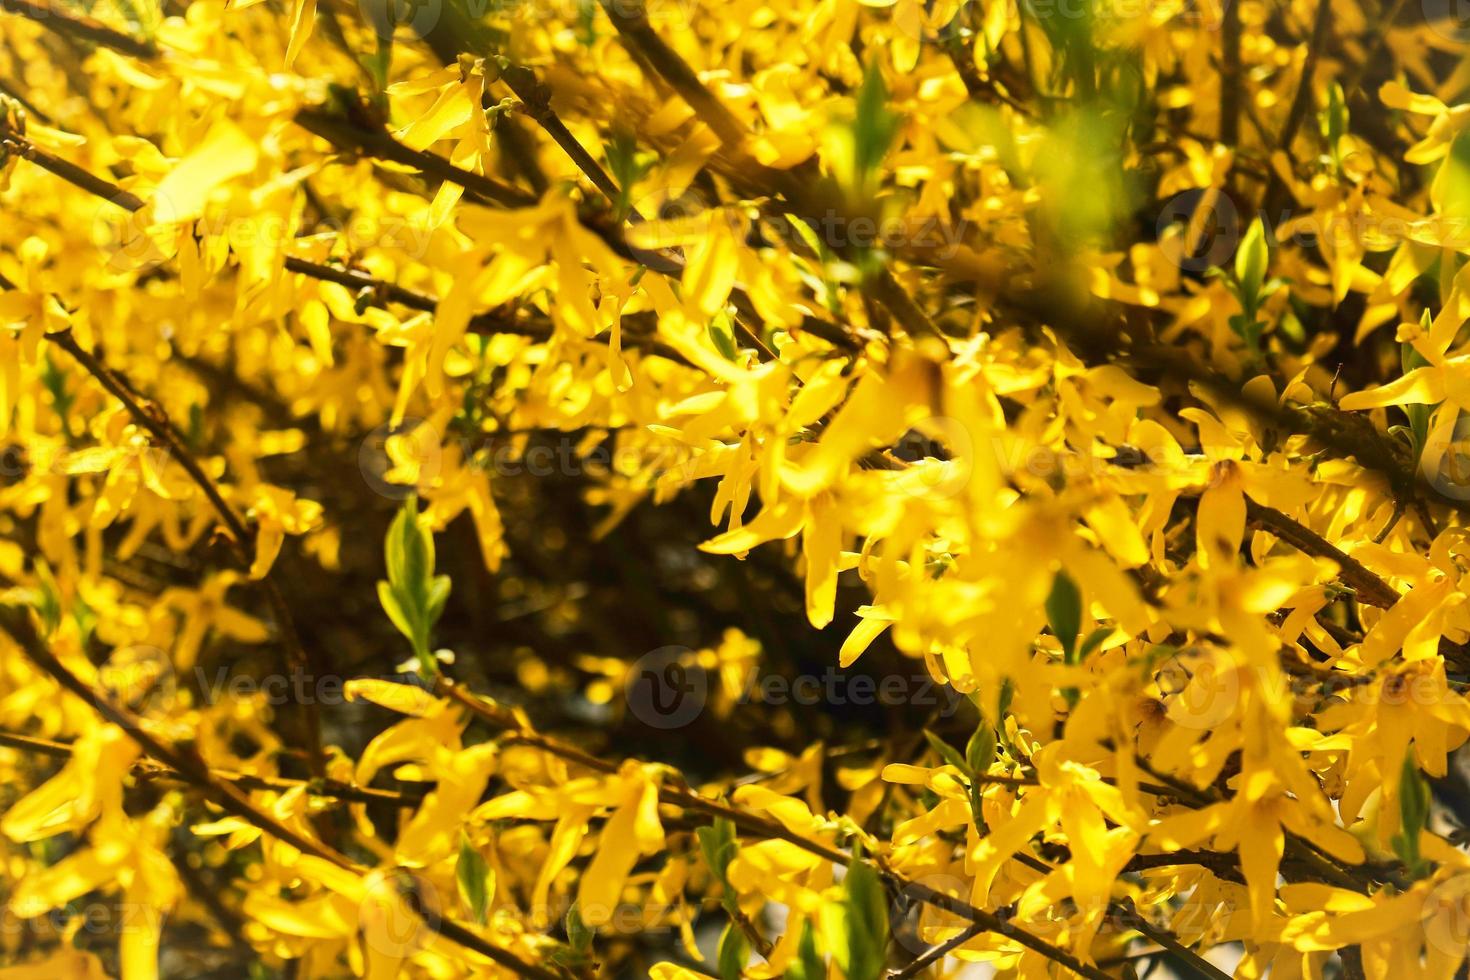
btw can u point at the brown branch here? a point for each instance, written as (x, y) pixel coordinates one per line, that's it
(1129, 916)
(80, 27)
(190, 767)
(631, 20)
(341, 132)
(40, 746)
(506, 721)
(535, 99)
(1230, 74)
(71, 173)
(1370, 589)
(183, 761)
(153, 420)
(936, 953)
(1221, 865)
(1303, 98)
(378, 292)
(1276, 190)
(331, 789)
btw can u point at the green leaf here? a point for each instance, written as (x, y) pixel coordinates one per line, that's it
(1410, 359)
(389, 599)
(476, 883)
(722, 335)
(1094, 640)
(734, 953)
(980, 750)
(718, 845)
(873, 129)
(46, 598)
(1333, 122)
(394, 550)
(579, 936)
(1251, 260)
(866, 921)
(1414, 802)
(413, 597)
(1451, 187)
(437, 595)
(948, 753)
(1064, 613)
(808, 963)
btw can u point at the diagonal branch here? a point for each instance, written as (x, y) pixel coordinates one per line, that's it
(192, 768)
(329, 789)
(80, 27)
(156, 423)
(1370, 589)
(506, 721)
(936, 953)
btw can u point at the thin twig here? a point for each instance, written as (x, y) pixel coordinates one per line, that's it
(153, 419)
(380, 143)
(188, 764)
(763, 827)
(1230, 74)
(330, 789)
(1276, 190)
(936, 953)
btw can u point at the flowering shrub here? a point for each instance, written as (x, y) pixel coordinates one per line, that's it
(835, 489)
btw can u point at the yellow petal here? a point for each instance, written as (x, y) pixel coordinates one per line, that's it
(406, 699)
(1421, 386)
(303, 19)
(225, 153)
(711, 270)
(821, 545)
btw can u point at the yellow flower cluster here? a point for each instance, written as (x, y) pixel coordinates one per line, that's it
(1104, 361)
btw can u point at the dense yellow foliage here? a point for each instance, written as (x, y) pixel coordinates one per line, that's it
(1102, 361)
